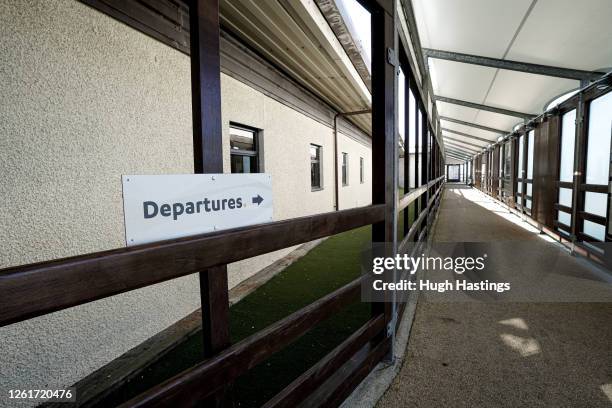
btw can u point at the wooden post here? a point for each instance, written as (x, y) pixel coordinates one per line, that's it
(424, 165)
(407, 82)
(579, 167)
(208, 155)
(383, 131)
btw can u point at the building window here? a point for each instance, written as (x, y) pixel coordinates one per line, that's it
(244, 153)
(316, 179)
(345, 169)
(361, 170)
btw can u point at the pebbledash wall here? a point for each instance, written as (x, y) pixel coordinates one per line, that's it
(86, 99)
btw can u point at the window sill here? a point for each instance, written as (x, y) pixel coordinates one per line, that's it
(313, 189)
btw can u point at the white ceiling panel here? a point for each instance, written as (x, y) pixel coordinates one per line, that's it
(469, 130)
(466, 149)
(460, 81)
(480, 117)
(526, 93)
(567, 33)
(456, 111)
(495, 120)
(482, 27)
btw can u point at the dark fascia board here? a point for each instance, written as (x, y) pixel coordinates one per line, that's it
(493, 109)
(168, 23)
(538, 69)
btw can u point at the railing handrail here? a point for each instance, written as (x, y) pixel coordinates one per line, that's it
(412, 195)
(234, 361)
(36, 289)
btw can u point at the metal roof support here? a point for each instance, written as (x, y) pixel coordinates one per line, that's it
(466, 148)
(457, 155)
(455, 149)
(481, 139)
(462, 154)
(475, 125)
(452, 139)
(493, 109)
(527, 67)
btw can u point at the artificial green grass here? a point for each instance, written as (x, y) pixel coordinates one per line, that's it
(332, 264)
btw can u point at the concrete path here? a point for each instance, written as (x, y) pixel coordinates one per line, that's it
(502, 354)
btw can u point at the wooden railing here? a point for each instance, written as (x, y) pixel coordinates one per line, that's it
(33, 290)
(37, 289)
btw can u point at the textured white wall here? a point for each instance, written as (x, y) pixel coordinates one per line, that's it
(355, 194)
(84, 100)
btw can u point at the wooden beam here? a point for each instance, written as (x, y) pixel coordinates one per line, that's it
(308, 382)
(203, 379)
(208, 157)
(384, 144)
(33, 290)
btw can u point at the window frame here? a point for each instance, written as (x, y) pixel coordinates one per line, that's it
(345, 169)
(361, 170)
(257, 146)
(320, 164)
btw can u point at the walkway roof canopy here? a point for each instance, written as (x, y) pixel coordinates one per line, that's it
(296, 36)
(509, 56)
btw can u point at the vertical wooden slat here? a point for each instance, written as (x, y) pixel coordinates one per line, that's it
(425, 197)
(383, 134)
(407, 82)
(579, 166)
(208, 156)
(417, 203)
(545, 171)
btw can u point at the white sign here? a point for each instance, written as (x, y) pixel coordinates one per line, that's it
(171, 206)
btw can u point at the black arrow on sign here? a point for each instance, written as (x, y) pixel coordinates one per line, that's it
(257, 200)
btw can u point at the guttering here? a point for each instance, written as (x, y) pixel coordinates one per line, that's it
(336, 116)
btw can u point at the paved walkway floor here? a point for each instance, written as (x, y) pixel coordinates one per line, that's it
(502, 354)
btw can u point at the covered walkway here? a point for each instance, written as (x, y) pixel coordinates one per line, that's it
(503, 354)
